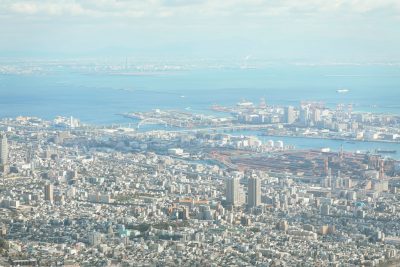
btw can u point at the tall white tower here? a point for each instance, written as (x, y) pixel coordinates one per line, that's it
(290, 115)
(3, 149)
(48, 192)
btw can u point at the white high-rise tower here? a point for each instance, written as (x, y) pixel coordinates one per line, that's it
(3, 149)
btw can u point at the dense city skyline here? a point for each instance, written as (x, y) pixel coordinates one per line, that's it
(199, 133)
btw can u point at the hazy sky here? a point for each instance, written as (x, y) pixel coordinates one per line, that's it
(293, 30)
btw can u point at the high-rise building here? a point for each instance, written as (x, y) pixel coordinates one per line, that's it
(326, 167)
(316, 115)
(290, 115)
(304, 115)
(381, 169)
(232, 192)
(3, 149)
(48, 192)
(254, 192)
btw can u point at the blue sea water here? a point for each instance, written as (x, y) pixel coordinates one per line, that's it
(97, 99)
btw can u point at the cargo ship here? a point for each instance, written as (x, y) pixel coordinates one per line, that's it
(342, 91)
(245, 104)
(385, 151)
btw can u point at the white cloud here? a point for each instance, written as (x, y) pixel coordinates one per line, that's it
(48, 8)
(270, 28)
(193, 8)
(24, 8)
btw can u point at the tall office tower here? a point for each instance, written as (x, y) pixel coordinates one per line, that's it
(326, 167)
(304, 115)
(3, 150)
(381, 169)
(254, 192)
(316, 115)
(48, 192)
(232, 192)
(290, 115)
